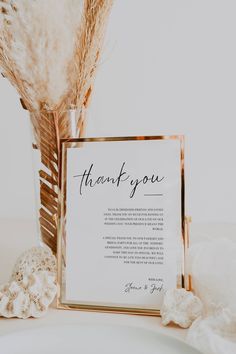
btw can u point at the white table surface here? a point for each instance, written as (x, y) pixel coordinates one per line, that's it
(17, 235)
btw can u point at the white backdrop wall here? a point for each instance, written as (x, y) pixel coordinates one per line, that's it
(169, 66)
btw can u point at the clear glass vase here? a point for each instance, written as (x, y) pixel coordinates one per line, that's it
(48, 127)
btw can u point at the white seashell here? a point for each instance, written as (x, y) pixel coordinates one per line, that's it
(29, 297)
(34, 260)
(180, 307)
(32, 287)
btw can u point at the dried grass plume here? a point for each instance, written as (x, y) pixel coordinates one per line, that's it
(49, 51)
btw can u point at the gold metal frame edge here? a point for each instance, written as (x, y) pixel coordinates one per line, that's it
(185, 241)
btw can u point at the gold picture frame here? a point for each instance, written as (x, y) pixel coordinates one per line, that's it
(183, 279)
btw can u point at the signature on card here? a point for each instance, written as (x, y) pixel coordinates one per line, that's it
(152, 288)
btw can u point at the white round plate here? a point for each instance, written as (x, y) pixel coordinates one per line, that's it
(91, 339)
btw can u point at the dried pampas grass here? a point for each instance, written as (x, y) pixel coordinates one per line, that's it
(88, 46)
(37, 42)
(49, 51)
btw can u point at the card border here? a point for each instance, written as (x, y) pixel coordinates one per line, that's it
(183, 280)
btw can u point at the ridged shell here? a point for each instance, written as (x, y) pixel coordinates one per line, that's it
(34, 260)
(32, 287)
(180, 307)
